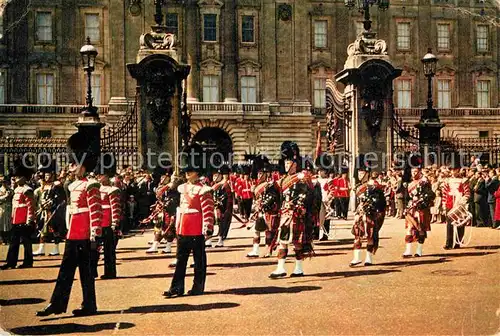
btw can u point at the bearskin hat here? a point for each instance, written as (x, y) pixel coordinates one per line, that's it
(324, 162)
(107, 166)
(308, 164)
(290, 151)
(344, 170)
(259, 162)
(20, 170)
(246, 169)
(224, 170)
(192, 159)
(416, 160)
(80, 153)
(47, 167)
(363, 163)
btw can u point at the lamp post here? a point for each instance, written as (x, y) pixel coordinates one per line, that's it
(364, 7)
(89, 54)
(429, 125)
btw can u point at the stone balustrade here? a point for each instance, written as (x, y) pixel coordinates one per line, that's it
(228, 108)
(456, 112)
(49, 109)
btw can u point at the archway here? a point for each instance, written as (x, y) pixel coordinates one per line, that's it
(216, 142)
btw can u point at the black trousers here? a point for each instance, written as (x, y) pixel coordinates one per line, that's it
(225, 223)
(20, 232)
(326, 224)
(344, 206)
(108, 240)
(449, 234)
(246, 205)
(186, 245)
(76, 254)
(482, 213)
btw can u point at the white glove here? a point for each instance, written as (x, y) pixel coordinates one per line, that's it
(415, 198)
(95, 231)
(114, 225)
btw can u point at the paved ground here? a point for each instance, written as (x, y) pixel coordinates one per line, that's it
(443, 293)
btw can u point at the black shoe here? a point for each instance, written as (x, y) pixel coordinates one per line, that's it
(277, 275)
(406, 256)
(354, 264)
(446, 247)
(368, 264)
(107, 277)
(192, 265)
(25, 266)
(194, 292)
(171, 293)
(324, 238)
(456, 246)
(296, 275)
(416, 255)
(49, 310)
(84, 312)
(7, 266)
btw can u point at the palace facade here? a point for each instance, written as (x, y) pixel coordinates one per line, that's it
(258, 67)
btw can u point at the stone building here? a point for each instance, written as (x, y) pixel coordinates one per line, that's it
(258, 67)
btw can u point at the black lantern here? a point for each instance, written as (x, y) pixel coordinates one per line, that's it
(89, 54)
(364, 7)
(429, 62)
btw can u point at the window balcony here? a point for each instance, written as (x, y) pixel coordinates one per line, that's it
(228, 110)
(453, 113)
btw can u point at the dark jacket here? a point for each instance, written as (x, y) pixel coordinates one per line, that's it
(480, 191)
(492, 186)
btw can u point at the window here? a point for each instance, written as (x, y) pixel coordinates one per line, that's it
(359, 28)
(249, 89)
(45, 89)
(482, 38)
(172, 23)
(319, 93)
(44, 26)
(404, 93)
(96, 89)
(444, 93)
(210, 27)
(210, 88)
(320, 34)
(483, 93)
(443, 36)
(484, 134)
(247, 29)
(44, 134)
(2, 87)
(403, 37)
(1, 26)
(92, 27)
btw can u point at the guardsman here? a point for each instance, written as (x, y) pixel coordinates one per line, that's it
(111, 215)
(324, 164)
(23, 218)
(267, 211)
(418, 210)
(51, 212)
(195, 223)
(245, 191)
(343, 188)
(296, 222)
(456, 193)
(223, 199)
(85, 222)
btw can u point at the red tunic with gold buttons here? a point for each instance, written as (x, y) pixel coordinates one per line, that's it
(85, 208)
(111, 207)
(195, 215)
(342, 187)
(245, 189)
(23, 206)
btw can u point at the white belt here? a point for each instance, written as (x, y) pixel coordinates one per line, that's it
(20, 205)
(246, 190)
(74, 211)
(106, 206)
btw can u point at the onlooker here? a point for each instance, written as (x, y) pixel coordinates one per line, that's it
(492, 185)
(6, 194)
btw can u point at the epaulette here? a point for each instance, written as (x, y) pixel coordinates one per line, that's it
(92, 183)
(205, 189)
(113, 190)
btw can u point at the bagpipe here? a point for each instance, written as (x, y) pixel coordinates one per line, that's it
(293, 207)
(268, 201)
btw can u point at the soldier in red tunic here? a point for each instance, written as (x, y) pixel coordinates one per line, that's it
(195, 222)
(23, 218)
(85, 220)
(418, 211)
(111, 215)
